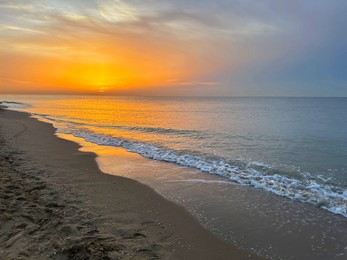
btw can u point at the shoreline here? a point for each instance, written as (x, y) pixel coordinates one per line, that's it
(257, 221)
(92, 213)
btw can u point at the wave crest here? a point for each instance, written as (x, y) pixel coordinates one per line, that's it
(308, 191)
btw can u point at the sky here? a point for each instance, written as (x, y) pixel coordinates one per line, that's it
(174, 47)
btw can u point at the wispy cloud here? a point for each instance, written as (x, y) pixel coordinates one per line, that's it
(118, 11)
(17, 5)
(195, 42)
(17, 29)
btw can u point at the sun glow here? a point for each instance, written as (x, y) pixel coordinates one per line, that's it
(107, 69)
(98, 54)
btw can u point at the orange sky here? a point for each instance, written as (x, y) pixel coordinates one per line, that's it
(113, 68)
(96, 66)
(70, 52)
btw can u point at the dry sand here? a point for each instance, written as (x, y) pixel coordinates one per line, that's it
(55, 203)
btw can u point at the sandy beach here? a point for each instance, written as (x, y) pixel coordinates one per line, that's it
(56, 203)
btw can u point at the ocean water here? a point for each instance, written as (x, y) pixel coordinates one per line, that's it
(291, 147)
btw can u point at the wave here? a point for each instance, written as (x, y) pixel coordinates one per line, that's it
(14, 105)
(160, 130)
(157, 130)
(324, 196)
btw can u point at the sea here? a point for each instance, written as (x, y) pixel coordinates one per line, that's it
(283, 156)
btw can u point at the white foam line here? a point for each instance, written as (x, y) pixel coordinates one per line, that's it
(307, 191)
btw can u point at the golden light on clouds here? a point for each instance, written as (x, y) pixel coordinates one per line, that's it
(115, 45)
(99, 64)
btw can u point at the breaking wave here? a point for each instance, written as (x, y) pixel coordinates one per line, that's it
(14, 105)
(331, 198)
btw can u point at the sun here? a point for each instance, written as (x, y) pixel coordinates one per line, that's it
(102, 89)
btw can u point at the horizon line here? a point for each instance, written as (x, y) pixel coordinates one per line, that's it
(181, 96)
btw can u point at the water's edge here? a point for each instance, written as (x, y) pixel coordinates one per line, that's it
(255, 175)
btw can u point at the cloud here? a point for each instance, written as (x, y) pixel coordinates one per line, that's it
(118, 11)
(231, 42)
(16, 5)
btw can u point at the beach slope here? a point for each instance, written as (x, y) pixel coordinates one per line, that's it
(56, 203)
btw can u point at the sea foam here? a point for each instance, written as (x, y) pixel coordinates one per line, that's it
(308, 191)
(14, 105)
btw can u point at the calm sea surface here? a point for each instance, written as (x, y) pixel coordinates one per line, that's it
(293, 147)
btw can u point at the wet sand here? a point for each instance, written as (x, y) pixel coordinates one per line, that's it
(257, 221)
(56, 203)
